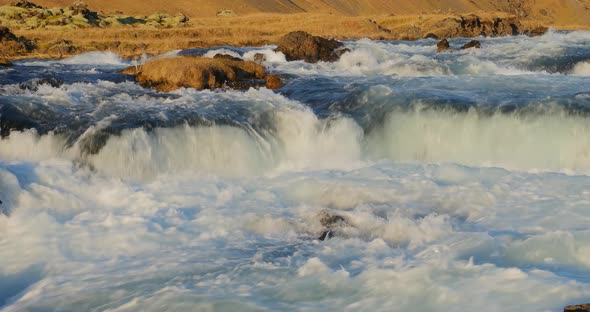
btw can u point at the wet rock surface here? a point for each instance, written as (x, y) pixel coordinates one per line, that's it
(442, 46)
(299, 45)
(196, 72)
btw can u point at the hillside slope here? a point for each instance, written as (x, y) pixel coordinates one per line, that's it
(550, 12)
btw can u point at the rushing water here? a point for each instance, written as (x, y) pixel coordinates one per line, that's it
(463, 179)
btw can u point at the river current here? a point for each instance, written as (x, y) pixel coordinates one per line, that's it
(462, 180)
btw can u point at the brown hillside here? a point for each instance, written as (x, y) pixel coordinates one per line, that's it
(552, 12)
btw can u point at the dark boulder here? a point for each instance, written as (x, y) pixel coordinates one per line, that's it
(443, 45)
(431, 36)
(471, 44)
(226, 57)
(299, 45)
(81, 8)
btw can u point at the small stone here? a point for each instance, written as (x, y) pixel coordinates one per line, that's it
(259, 58)
(471, 44)
(443, 45)
(273, 82)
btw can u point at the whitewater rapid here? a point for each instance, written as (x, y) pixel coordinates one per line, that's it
(463, 177)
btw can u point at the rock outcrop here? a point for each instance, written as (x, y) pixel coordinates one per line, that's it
(474, 26)
(10, 44)
(299, 45)
(168, 74)
(442, 45)
(27, 15)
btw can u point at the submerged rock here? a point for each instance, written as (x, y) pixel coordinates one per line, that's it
(443, 45)
(578, 308)
(273, 82)
(299, 45)
(471, 44)
(33, 85)
(226, 57)
(331, 223)
(169, 74)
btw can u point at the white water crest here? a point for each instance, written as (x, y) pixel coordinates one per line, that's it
(95, 58)
(582, 69)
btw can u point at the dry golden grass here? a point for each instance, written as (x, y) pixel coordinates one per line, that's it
(194, 72)
(251, 30)
(557, 13)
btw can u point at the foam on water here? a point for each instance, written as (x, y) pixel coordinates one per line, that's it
(407, 242)
(462, 178)
(212, 53)
(269, 54)
(293, 138)
(582, 69)
(498, 56)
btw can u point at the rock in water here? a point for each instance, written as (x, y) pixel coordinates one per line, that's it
(226, 57)
(471, 44)
(443, 45)
(332, 223)
(273, 82)
(578, 308)
(259, 58)
(169, 74)
(299, 45)
(5, 63)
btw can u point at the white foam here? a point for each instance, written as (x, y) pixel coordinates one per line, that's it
(95, 58)
(581, 69)
(269, 55)
(212, 53)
